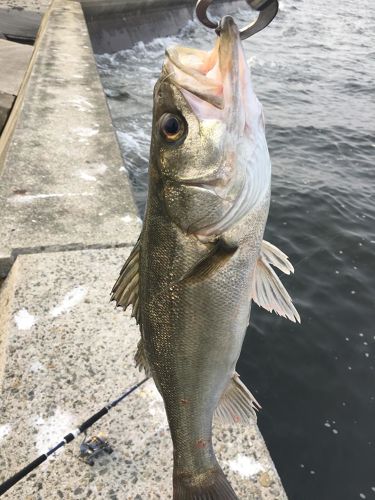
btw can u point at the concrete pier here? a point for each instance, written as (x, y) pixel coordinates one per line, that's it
(63, 184)
(67, 223)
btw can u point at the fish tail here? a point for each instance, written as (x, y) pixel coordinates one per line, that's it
(211, 485)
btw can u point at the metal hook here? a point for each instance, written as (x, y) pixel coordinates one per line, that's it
(267, 11)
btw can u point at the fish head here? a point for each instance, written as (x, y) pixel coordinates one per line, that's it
(208, 143)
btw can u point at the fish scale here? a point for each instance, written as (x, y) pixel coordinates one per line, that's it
(201, 258)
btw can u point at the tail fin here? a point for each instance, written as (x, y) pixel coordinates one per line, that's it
(210, 485)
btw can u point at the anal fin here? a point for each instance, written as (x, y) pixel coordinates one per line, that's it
(237, 404)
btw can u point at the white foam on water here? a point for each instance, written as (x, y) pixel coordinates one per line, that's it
(136, 141)
(245, 466)
(24, 320)
(71, 299)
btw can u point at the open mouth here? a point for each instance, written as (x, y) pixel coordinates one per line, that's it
(213, 77)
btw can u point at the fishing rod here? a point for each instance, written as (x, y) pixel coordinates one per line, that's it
(4, 487)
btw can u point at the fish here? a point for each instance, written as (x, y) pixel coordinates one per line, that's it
(201, 260)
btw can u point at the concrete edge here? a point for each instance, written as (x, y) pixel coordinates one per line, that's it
(95, 8)
(12, 119)
(6, 263)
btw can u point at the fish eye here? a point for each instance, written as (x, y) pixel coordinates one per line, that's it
(172, 127)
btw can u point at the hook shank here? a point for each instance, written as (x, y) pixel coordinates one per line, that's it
(267, 11)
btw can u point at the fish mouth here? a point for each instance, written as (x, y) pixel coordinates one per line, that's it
(210, 78)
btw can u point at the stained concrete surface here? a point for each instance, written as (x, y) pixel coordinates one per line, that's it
(14, 59)
(17, 23)
(69, 353)
(64, 184)
(26, 5)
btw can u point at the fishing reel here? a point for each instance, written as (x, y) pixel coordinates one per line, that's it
(92, 447)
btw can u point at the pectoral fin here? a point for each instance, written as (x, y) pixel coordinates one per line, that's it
(216, 258)
(126, 289)
(237, 404)
(268, 291)
(272, 255)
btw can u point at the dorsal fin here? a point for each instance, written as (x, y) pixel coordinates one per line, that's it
(268, 291)
(237, 404)
(126, 289)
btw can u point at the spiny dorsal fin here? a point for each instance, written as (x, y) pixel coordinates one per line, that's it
(141, 359)
(268, 291)
(272, 255)
(237, 404)
(216, 258)
(126, 289)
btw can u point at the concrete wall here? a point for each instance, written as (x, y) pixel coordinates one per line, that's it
(19, 24)
(118, 24)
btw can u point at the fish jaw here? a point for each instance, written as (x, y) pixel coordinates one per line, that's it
(224, 154)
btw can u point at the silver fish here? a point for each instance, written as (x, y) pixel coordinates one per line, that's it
(201, 260)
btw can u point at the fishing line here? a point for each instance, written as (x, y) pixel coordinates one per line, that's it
(4, 487)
